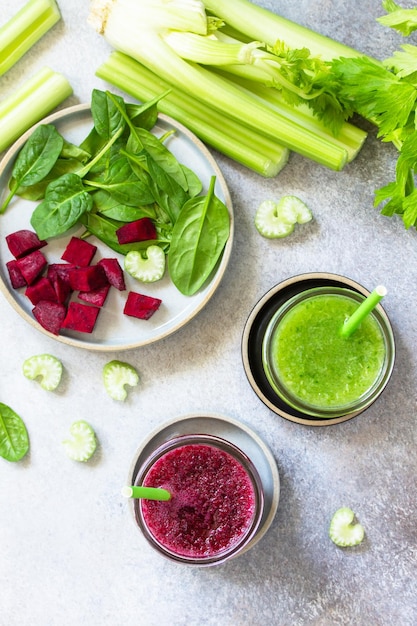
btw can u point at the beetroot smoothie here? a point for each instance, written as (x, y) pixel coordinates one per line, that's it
(212, 506)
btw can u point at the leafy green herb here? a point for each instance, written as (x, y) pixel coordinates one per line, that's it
(402, 20)
(387, 95)
(14, 440)
(198, 238)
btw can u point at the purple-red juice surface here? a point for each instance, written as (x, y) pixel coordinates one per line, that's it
(212, 505)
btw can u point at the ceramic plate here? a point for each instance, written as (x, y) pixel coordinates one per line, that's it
(232, 430)
(114, 330)
(254, 331)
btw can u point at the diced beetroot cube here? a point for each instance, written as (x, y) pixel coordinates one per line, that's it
(114, 273)
(16, 276)
(60, 283)
(139, 230)
(41, 289)
(80, 317)
(96, 296)
(23, 242)
(50, 315)
(79, 252)
(88, 278)
(141, 306)
(32, 265)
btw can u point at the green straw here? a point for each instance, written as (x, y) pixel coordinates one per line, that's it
(363, 310)
(148, 493)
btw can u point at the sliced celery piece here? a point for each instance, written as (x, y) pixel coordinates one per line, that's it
(34, 99)
(24, 29)
(236, 140)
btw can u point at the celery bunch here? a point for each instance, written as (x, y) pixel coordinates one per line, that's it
(242, 91)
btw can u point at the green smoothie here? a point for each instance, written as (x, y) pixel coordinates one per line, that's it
(318, 366)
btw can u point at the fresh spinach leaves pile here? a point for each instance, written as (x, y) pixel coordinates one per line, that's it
(119, 173)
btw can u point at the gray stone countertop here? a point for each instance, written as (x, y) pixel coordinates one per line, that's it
(70, 552)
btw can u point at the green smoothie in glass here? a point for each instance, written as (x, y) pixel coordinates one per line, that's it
(311, 365)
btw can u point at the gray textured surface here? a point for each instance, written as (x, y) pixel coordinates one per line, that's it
(70, 554)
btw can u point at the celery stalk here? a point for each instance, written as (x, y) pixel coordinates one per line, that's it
(124, 25)
(349, 137)
(235, 140)
(263, 25)
(37, 97)
(24, 29)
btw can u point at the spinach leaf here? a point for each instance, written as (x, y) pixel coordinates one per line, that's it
(66, 199)
(106, 111)
(36, 159)
(14, 440)
(105, 204)
(163, 157)
(122, 183)
(71, 151)
(93, 143)
(198, 239)
(194, 184)
(38, 190)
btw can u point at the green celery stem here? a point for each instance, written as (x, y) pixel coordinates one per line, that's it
(24, 29)
(147, 493)
(349, 137)
(363, 310)
(237, 141)
(31, 102)
(260, 24)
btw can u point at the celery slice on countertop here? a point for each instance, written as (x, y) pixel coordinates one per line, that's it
(293, 210)
(343, 530)
(83, 442)
(278, 219)
(117, 374)
(146, 269)
(45, 367)
(31, 102)
(24, 29)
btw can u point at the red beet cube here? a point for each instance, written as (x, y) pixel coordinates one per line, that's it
(96, 296)
(62, 269)
(80, 317)
(79, 252)
(141, 306)
(23, 242)
(32, 265)
(60, 283)
(139, 230)
(114, 273)
(50, 315)
(41, 289)
(16, 276)
(88, 278)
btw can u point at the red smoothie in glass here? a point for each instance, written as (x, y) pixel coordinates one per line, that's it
(212, 503)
